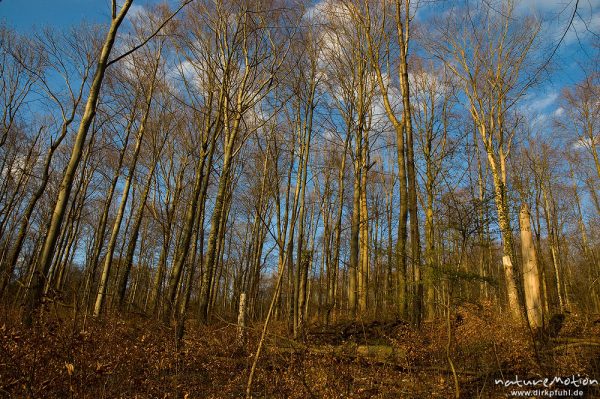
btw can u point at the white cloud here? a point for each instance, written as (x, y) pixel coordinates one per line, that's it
(314, 12)
(557, 15)
(540, 103)
(20, 166)
(328, 10)
(585, 143)
(136, 11)
(584, 27)
(381, 121)
(543, 6)
(559, 111)
(186, 71)
(538, 107)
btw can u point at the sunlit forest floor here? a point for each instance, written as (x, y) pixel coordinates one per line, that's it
(130, 356)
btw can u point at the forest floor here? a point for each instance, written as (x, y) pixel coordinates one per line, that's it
(135, 357)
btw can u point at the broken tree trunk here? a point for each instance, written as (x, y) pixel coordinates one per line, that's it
(531, 276)
(241, 323)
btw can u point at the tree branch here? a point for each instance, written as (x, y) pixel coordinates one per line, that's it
(142, 44)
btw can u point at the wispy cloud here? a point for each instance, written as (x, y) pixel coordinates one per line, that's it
(584, 27)
(540, 102)
(136, 11)
(540, 107)
(556, 16)
(544, 6)
(558, 112)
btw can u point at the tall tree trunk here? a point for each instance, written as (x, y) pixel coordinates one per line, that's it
(221, 247)
(363, 271)
(403, 22)
(72, 224)
(204, 163)
(13, 255)
(157, 284)
(197, 253)
(135, 230)
(354, 235)
(302, 264)
(531, 277)
(482, 215)
(104, 278)
(45, 259)
(282, 227)
(507, 241)
(338, 230)
(215, 233)
(552, 241)
(94, 259)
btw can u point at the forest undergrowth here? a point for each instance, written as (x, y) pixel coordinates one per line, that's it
(131, 356)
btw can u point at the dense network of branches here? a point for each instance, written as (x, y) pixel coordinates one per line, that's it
(346, 159)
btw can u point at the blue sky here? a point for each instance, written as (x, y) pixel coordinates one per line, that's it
(24, 14)
(575, 54)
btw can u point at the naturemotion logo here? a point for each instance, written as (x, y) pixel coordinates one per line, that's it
(573, 381)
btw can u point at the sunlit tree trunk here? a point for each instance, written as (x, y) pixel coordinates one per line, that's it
(363, 269)
(554, 255)
(301, 261)
(45, 259)
(354, 235)
(205, 159)
(108, 260)
(14, 254)
(400, 128)
(171, 206)
(338, 232)
(134, 234)
(403, 31)
(531, 276)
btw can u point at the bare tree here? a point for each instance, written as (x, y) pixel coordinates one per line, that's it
(488, 55)
(67, 182)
